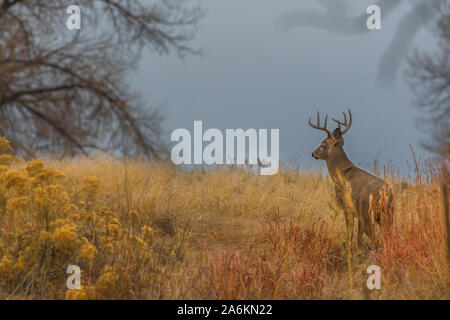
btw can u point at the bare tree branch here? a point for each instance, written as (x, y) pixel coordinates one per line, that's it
(336, 20)
(65, 91)
(429, 77)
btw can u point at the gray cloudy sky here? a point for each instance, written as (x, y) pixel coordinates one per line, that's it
(253, 75)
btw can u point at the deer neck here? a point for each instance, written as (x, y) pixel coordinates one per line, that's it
(338, 162)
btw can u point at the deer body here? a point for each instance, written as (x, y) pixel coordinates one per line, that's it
(371, 199)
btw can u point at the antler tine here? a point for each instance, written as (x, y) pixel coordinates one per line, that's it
(345, 124)
(349, 121)
(317, 126)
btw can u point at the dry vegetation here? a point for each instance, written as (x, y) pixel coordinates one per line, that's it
(142, 230)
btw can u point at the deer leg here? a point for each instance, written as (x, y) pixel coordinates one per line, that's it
(371, 234)
(346, 220)
(360, 234)
(349, 220)
(350, 234)
(349, 223)
(371, 221)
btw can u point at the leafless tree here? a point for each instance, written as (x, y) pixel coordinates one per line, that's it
(336, 19)
(429, 76)
(65, 91)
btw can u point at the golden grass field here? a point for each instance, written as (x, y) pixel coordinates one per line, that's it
(150, 230)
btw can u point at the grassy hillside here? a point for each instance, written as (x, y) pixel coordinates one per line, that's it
(154, 231)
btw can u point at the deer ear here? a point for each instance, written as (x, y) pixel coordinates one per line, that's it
(336, 134)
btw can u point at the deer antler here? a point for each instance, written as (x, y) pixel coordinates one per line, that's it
(324, 128)
(347, 126)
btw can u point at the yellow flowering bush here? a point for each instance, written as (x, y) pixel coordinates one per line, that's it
(65, 238)
(87, 251)
(150, 230)
(48, 223)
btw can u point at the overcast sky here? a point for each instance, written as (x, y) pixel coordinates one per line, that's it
(254, 75)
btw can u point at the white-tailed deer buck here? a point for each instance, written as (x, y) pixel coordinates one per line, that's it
(360, 194)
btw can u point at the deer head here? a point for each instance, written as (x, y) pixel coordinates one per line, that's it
(333, 139)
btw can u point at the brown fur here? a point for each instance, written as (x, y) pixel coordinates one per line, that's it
(371, 197)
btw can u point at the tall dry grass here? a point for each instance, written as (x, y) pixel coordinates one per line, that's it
(149, 230)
